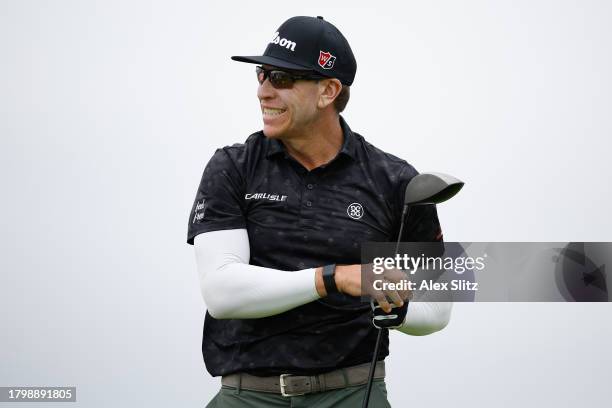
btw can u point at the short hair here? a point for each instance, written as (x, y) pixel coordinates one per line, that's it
(342, 98)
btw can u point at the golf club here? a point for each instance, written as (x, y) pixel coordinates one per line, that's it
(423, 189)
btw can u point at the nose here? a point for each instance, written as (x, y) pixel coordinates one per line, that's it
(265, 90)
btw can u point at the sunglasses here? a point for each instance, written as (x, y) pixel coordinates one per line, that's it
(282, 79)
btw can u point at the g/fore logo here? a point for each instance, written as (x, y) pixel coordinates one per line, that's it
(265, 196)
(283, 42)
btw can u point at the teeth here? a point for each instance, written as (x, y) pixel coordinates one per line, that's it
(272, 111)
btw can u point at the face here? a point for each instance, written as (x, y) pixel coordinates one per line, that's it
(288, 112)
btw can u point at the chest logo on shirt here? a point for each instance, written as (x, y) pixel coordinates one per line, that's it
(355, 211)
(265, 196)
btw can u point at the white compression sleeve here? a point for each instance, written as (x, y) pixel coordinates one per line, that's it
(233, 289)
(426, 317)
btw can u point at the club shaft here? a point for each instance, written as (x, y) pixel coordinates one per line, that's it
(405, 213)
(366, 399)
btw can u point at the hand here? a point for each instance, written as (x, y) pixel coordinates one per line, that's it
(391, 320)
(349, 281)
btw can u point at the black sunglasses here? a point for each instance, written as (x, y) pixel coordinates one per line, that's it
(282, 79)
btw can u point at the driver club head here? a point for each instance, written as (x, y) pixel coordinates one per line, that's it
(431, 188)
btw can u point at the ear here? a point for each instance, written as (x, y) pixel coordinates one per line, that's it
(329, 90)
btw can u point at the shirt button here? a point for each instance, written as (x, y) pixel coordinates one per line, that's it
(310, 186)
(308, 203)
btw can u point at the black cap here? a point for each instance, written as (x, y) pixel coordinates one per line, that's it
(309, 43)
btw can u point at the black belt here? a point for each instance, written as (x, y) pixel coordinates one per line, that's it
(290, 385)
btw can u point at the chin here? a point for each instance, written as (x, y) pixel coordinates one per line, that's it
(273, 132)
(276, 127)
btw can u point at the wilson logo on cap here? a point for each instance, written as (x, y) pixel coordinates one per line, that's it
(326, 60)
(283, 42)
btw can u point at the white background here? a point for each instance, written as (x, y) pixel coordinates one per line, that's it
(109, 111)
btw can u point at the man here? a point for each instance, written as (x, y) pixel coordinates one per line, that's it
(278, 223)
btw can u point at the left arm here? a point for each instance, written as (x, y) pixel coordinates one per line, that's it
(426, 318)
(423, 225)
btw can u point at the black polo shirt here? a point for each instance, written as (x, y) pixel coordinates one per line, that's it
(299, 219)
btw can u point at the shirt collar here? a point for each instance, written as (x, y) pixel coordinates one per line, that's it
(348, 148)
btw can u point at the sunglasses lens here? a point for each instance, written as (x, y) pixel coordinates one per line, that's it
(261, 75)
(280, 79)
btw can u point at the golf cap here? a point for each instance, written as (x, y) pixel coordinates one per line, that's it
(309, 43)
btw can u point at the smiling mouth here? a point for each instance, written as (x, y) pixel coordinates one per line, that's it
(273, 111)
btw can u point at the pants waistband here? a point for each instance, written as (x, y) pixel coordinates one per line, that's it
(292, 385)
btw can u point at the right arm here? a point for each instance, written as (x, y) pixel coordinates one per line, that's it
(233, 289)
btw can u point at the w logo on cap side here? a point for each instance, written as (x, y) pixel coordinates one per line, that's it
(326, 60)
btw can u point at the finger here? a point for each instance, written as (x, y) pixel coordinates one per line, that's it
(382, 301)
(401, 279)
(405, 294)
(395, 297)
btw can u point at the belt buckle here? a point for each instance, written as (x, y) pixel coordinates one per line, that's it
(283, 385)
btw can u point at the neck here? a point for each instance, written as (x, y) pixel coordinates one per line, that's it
(318, 144)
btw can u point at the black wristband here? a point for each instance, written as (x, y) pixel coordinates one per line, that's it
(329, 278)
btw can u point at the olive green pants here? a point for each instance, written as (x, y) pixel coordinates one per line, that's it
(349, 397)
